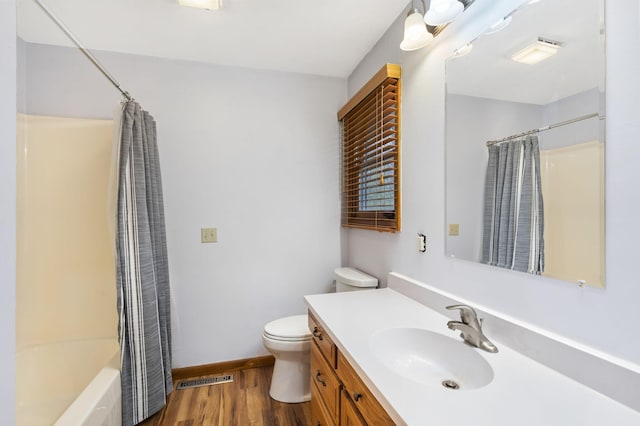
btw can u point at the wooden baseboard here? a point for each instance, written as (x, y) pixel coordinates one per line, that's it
(221, 367)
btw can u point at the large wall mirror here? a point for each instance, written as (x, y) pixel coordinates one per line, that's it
(525, 143)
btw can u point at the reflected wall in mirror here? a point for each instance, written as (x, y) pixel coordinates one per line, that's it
(536, 204)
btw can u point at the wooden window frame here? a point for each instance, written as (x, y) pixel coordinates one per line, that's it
(370, 136)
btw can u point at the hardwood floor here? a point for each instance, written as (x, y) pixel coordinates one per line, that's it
(243, 402)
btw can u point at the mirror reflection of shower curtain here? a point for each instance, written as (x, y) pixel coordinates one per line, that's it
(142, 270)
(513, 220)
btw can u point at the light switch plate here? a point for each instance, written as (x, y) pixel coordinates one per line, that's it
(208, 235)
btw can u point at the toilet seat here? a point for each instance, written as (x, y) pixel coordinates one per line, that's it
(288, 329)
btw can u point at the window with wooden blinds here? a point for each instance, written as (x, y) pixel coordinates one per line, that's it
(370, 154)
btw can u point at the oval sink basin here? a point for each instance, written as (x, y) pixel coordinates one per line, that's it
(431, 358)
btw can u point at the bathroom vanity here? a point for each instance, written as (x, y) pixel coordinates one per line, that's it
(338, 394)
(384, 356)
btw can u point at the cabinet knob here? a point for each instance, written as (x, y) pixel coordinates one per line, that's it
(320, 379)
(316, 333)
(357, 396)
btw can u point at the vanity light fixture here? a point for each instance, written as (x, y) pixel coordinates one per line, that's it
(416, 35)
(537, 51)
(421, 25)
(443, 11)
(202, 4)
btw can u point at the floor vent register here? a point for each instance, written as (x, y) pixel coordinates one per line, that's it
(204, 381)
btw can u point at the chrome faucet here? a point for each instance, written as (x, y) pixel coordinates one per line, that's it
(471, 328)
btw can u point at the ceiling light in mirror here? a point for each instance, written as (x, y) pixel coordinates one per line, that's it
(202, 4)
(537, 51)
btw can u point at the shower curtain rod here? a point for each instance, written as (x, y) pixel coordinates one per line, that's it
(83, 49)
(542, 129)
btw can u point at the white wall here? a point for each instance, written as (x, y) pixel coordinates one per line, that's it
(570, 107)
(253, 153)
(7, 208)
(605, 319)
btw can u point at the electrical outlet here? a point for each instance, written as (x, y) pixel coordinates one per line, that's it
(454, 229)
(208, 235)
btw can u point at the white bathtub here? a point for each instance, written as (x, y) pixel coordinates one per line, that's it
(69, 383)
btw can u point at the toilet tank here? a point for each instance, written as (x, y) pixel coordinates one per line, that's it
(350, 279)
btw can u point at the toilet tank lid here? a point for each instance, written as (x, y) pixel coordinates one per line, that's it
(355, 277)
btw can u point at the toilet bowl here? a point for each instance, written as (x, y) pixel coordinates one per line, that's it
(289, 341)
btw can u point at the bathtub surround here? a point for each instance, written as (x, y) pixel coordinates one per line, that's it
(574, 248)
(66, 306)
(61, 227)
(7, 208)
(62, 380)
(142, 269)
(99, 403)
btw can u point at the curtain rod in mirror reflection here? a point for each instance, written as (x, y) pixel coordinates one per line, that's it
(549, 127)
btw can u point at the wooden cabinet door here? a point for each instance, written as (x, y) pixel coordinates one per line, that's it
(325, 383)
(349, 415)
(363, 400)
(319, 414)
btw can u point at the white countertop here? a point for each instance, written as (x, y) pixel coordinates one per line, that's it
(523, 392)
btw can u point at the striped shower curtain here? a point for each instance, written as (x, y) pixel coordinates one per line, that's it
(513, 221)
(142, 269)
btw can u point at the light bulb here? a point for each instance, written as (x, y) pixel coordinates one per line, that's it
(443, 11)
(415, 33)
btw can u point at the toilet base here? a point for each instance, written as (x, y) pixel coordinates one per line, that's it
(291, 379)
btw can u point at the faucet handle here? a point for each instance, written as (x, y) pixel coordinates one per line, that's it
(467, 314)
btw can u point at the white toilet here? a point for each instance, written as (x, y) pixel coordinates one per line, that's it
(289, 341)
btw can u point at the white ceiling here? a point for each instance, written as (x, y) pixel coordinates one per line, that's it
(327, 37)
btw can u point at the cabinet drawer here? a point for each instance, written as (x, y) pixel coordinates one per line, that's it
(323, 341)
(361, 396)
(319, 414)
(326, 383)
